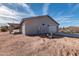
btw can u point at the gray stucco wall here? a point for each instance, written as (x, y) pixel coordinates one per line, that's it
(38, 25)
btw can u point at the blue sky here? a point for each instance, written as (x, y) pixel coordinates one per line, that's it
(66, 14)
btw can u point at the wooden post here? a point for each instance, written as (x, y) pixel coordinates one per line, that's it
(10, 30)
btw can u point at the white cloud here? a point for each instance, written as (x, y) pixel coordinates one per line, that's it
(45, 8)
(10, 13)
(28, 9)
(7, 15)
(5, 11)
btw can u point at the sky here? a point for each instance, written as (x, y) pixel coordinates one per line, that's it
(66, 14)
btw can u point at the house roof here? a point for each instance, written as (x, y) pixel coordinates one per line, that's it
(26, 19)
(17, 26)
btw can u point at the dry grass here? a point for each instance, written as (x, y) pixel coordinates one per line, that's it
(19, 45)
(70, 29)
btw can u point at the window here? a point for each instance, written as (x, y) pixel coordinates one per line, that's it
(43, 24)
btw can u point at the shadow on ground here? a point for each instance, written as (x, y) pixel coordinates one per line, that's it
(67, 35)
(56, 35)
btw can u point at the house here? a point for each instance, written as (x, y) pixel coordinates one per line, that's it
(38, 25)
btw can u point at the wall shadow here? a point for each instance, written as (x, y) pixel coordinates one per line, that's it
(45, 36)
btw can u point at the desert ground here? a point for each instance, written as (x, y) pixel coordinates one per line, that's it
(20, 45)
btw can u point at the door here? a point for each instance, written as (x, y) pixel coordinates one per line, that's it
(43, 29)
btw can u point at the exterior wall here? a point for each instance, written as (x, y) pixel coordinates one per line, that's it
(52, 29)
(23, 29)
(39, 25)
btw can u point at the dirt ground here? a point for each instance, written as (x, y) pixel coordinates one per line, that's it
(20, 45)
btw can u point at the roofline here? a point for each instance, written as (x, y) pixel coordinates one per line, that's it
(53, 20)
(24, 19)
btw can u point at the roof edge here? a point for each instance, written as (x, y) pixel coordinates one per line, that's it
(39, 16)
(53, 20)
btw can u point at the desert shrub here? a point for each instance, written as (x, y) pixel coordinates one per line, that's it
(4, 28)
(66, 31)
(70, 30)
